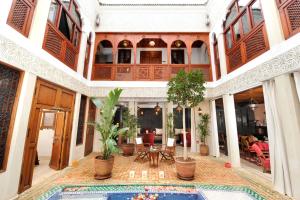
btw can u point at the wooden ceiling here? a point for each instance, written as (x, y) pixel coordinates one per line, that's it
(255, 93)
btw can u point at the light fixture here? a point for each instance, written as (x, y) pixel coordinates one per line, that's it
(178, 43)
(97, 21)
(179, 108)
(199, 111)
(157, 108)
(125, 43)
(252, 104)
(152, 43)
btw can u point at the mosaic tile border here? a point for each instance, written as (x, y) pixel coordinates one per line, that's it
(140, 188)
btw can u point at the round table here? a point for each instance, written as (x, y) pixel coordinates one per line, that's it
(154, 156)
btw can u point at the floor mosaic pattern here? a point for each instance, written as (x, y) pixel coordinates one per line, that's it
(214, 180)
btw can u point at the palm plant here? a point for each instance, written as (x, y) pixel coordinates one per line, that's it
(186, 89)
(203, 127)
(129, 121)
(105, 126)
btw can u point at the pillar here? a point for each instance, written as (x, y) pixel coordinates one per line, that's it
(272, 22)
(39, 22)
(132, 108)
(288, 107)
(231, 130)
(193, 130)
(73, 155)
(222, 54)
(164, 123)
(214, 150)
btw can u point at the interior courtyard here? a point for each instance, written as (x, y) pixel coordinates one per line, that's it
(150, 99)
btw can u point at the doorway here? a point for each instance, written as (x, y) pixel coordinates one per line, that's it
(151, 57)
(52, 110)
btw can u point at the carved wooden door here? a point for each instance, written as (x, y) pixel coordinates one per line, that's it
(58, 141)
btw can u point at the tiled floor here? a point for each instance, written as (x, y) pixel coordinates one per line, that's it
(209, 171)
(42, 171)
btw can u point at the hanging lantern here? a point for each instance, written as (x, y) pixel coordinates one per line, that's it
(157, 108)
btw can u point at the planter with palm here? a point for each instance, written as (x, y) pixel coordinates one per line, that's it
(129, 121)
(108, 131)
(203, 133)
(187, 90)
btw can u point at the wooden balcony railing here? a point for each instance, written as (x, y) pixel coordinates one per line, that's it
(144, 72)
(251, 46)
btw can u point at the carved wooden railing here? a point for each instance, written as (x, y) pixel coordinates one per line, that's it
(290, 16)
(57, 45)
(144, 72)
(251, 46)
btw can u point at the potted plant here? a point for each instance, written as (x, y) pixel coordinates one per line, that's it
(129, 121)
(170, 126)
(108, 131)
(186, 89)
(203, 132)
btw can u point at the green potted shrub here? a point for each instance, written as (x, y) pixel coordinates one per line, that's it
(170, 126)
(186, 89)
(129, 121)
(108, 131)
(203, 133)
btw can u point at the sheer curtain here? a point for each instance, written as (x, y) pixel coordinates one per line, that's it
(297, 80)
(277, 144)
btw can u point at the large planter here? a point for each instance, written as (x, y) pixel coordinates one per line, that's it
(204, 151)
(128, 149)
(185, 168)
(103, 168)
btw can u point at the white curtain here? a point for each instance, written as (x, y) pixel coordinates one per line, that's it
(297, 80)
(277, 144)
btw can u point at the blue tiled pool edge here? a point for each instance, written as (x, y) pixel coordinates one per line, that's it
(140, 188)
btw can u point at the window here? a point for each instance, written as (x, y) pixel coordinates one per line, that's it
(20, 15)
(81, 120)
(124, 56)
(217, 58)
(63, 31)
(9, 84)
(245, 37)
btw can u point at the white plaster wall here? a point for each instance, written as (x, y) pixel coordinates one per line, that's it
(97, 144)
(12, 174)
(45, 141)
(152, 19)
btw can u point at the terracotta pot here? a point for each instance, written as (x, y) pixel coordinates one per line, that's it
(204, 151)
(128, 149)
(103, 168)
(185, 168)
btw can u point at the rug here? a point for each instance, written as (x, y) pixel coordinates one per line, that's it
(153, 192)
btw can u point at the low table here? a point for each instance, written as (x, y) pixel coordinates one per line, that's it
(154, 156)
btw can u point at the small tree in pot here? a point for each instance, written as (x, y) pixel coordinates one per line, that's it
(203, 132)
(186, 89)
(108, 131)
(129, 121)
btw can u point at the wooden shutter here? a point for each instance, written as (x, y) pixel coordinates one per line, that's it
(20, 15)
(81, 121)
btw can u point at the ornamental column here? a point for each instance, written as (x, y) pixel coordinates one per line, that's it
(215, 150)
(231, 130)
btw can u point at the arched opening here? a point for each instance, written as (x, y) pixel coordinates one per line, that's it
(104, 54)
(125, 52)
(199, 53)
(179, 52)
(152, 51)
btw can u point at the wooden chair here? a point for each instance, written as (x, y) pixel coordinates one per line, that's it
(169, 152)
(141, 150)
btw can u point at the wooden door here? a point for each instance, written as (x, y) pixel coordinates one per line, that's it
(58, 141)
(90, 130)
(151, 57)
(47, 96)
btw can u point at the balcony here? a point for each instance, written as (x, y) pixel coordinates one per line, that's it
(145, 72)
